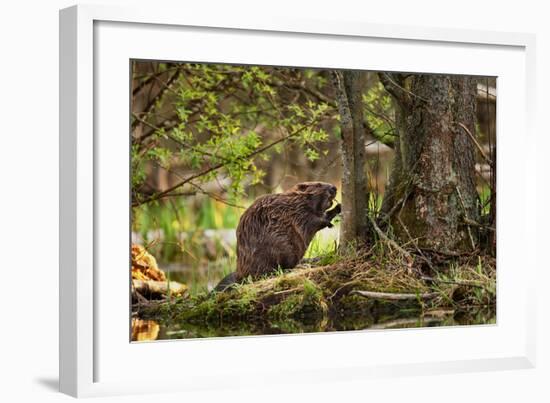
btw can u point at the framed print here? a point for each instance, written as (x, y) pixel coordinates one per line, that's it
(259, 192)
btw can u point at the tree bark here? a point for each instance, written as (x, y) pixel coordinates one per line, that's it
(354, 179)
(432, 191)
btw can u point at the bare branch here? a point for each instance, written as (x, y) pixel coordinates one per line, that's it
(468, 283)
(388, 240)
(158, 96)
(394, 90)
(215, 197)
(480, 149)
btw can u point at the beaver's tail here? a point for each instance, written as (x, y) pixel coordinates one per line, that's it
(226, 282)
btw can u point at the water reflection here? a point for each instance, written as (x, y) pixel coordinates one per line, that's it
(146, 330)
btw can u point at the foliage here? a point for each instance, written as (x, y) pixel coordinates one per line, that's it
(212, 121)
(225, 120)
(379, 113)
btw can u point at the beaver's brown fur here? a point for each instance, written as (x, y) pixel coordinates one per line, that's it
(275, 231)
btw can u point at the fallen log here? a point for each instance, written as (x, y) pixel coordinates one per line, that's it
(151, 289)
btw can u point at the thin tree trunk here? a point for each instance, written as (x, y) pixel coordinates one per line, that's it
(396, 186)
(354, 181)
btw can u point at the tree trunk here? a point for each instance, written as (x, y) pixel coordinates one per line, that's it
(354, 181)
(432, 193)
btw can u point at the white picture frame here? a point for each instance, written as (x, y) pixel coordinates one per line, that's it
(95, 351)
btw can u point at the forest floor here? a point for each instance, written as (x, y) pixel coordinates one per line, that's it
(359, 290)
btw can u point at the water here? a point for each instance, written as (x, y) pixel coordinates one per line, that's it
(148, 330)
(201, 277)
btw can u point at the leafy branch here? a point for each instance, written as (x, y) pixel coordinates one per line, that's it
(189, 179)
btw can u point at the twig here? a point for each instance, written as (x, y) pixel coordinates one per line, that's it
(476, 224)
(405, 322)
(290, 290)
(158, 96)
(342, 287)
(215, 167)
(316, 94)
(428, 261)
(140, 298)
(447, 253)
(469, 283)
(182, 194)
(390, 78)
(145, 82)
(394, 296)
(388, 240)
(480, 149)
(175, 139)
(199, 189)
(396, 89)
(466, 217)
(216, 197)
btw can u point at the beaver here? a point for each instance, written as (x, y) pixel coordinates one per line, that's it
(275, 231)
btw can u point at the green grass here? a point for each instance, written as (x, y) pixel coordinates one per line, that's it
(484, 196)
(324, 248)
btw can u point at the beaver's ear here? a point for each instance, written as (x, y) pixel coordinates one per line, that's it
(301, 187)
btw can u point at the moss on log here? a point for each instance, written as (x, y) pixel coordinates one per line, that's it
(308, 297)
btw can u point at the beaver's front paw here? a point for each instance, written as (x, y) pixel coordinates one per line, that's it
(330, 214)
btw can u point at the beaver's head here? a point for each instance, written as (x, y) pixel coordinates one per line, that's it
(321, 194)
